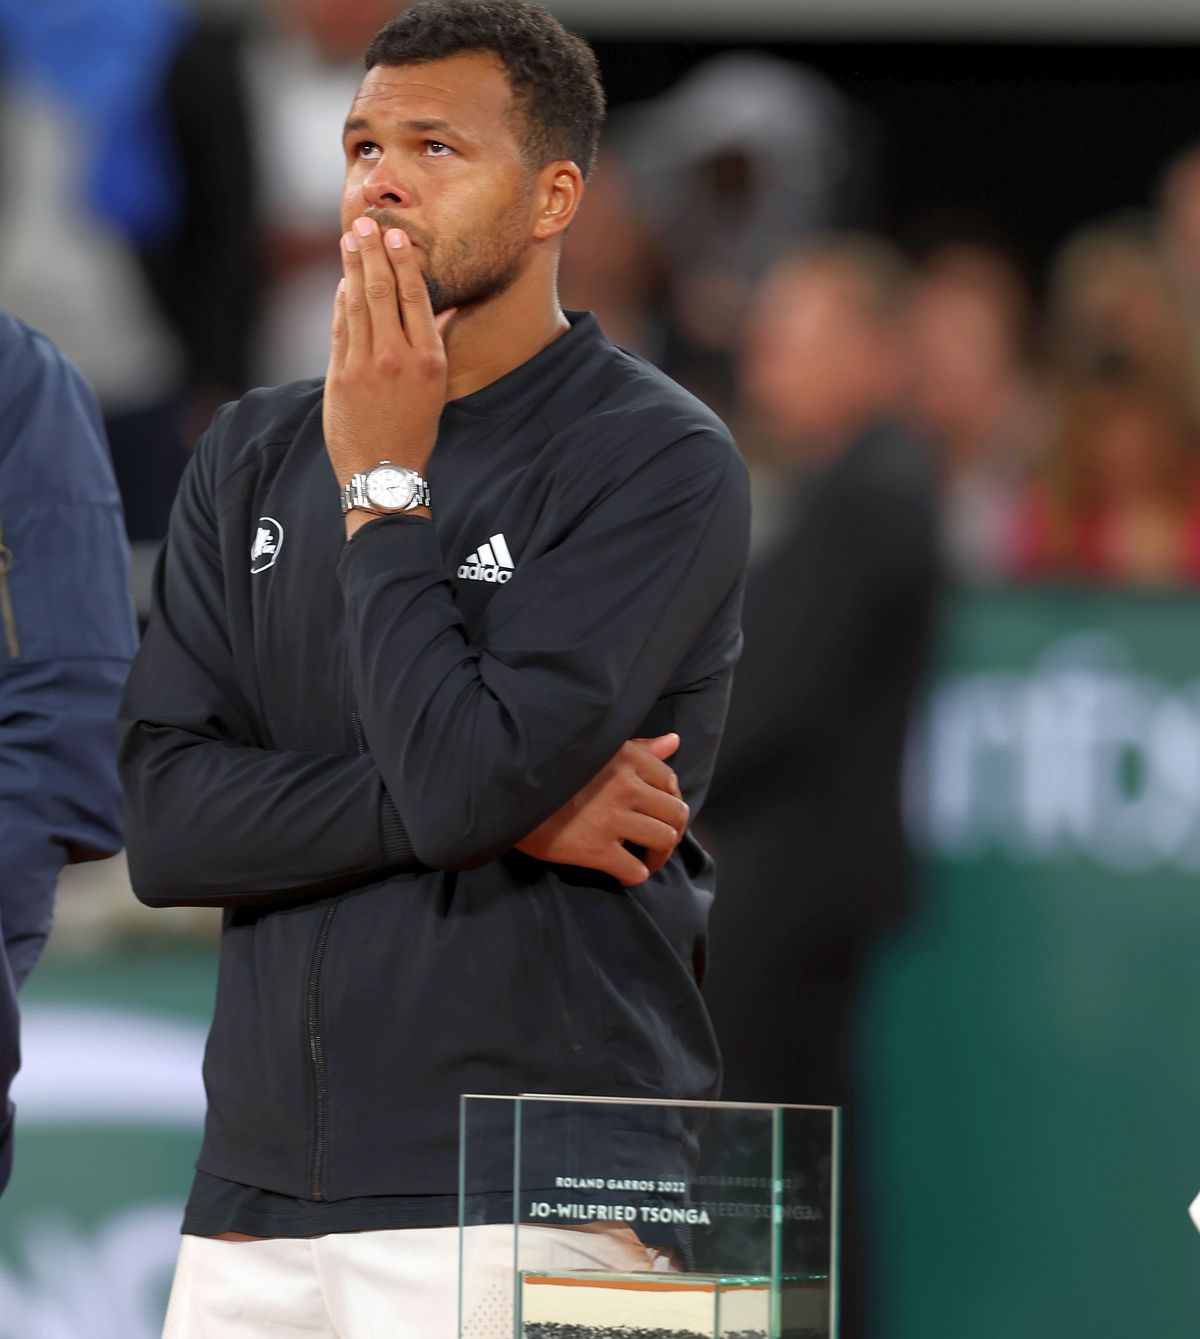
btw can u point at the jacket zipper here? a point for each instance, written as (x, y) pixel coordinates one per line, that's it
(7, 616)
(316, 1045)
(316, 1050)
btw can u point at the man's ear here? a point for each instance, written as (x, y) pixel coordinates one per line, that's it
(560, 189)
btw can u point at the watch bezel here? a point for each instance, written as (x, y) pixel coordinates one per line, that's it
(411, 478)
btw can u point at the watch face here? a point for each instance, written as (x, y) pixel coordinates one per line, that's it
(389, 486)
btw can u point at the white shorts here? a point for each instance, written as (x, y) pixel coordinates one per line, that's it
(378, 1285)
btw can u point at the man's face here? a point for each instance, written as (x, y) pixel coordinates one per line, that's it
(433, 149)
(802, 354)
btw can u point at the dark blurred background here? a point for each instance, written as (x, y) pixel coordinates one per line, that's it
(939, 267)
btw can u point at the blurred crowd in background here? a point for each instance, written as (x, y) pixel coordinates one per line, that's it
(174, 231)
(169, 218)
(1061, 425)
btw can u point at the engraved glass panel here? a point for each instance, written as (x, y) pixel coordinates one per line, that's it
(601, 1218)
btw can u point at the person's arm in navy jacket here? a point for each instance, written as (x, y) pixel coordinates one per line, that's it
(68, 633)
(67, 636)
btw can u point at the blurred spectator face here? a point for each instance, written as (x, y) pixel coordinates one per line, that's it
(470, 228)
(609, 262)
(1180, 216)
(1113, 307)
(608, 248)
(817, 362)
(965, 331)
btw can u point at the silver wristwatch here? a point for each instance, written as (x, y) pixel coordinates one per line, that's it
(385, 490)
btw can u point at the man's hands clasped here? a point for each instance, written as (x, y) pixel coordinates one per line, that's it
(634, 798)
(385, 386)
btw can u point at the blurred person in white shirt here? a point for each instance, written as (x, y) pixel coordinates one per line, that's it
(302, 73)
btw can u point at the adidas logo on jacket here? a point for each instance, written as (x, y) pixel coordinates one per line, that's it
(492, 562)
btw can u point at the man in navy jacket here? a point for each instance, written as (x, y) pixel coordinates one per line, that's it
(67, 636)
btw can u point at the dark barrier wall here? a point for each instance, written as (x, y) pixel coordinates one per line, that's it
(1032, 1040)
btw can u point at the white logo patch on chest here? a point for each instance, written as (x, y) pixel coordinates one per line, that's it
(268, 541)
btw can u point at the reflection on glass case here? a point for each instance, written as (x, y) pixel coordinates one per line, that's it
(607, 1218)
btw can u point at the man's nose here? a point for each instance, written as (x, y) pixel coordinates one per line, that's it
(383, 189)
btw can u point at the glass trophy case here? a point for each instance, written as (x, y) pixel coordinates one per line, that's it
(611, 1218)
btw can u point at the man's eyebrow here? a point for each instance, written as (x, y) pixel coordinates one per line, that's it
(425, 126)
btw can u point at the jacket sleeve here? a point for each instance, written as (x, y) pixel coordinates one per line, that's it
(66, 635)
(479, 742)
(213, 817)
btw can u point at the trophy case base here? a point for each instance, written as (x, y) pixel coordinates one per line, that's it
(596, 1304)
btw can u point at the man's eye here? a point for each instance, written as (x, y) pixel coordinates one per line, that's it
(367, 149)
(436, 149)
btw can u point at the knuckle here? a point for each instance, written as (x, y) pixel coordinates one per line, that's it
(379, 289)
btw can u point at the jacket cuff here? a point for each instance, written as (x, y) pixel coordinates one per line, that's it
(388, 544)
(397, 848)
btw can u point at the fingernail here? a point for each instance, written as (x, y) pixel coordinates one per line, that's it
(351, 242)
(363, 227)
(394, 238)
(341, 285)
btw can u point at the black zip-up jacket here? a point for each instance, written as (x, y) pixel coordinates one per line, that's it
(340, 743)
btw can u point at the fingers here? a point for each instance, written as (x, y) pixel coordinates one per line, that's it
(624, 866)
(651, 833)
(337, 328)
(655, 860)
(358, 318)
(662, 746)
(650, 767)
(364, 254)
(416, 312)
(659, 805)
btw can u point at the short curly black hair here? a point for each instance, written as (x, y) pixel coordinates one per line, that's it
(554, 76)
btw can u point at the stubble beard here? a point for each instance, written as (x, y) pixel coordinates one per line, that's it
(473, 279)
(471, 269)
